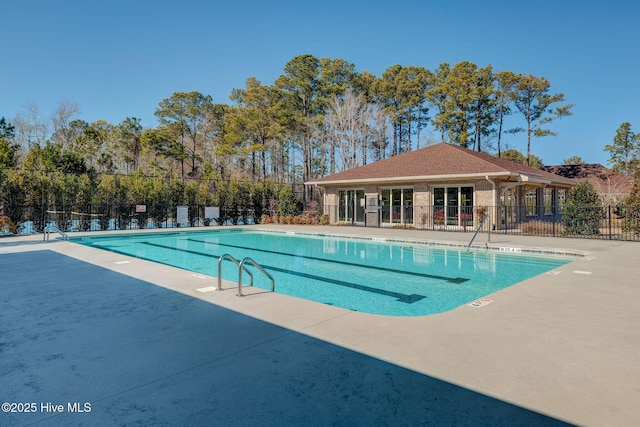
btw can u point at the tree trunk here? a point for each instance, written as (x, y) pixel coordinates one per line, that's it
(528, 143)
(500, 134)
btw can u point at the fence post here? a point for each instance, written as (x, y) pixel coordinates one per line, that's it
(506, 225)
(43, 219)
(609, 221)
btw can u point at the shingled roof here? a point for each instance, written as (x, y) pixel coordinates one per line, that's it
(603, 177)
(586, 170)
(438, 162)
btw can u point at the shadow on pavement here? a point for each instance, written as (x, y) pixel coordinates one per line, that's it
(73, 333)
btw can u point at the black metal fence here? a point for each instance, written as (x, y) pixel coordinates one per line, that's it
(103, 217)
(601, 222)
(608, 222)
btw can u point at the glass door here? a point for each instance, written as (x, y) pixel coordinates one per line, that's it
(349, 196)
(397, 206)
(510, 206)
(466, 206)
(351, 206)
(385, 211)
(452, 206)
(407, 204)
(438, 206)
(359, 205)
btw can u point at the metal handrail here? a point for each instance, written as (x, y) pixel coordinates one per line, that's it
(236, 262)
(49, 228)
(259, 267)
(477, 231)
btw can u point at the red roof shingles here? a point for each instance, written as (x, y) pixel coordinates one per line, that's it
(437, 160)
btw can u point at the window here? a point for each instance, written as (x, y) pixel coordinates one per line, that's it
(397, 205)
(453, 206)
(531, 202)
(547, 200)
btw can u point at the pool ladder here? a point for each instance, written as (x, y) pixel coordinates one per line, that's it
(242, 267)
(477, 231)
(52, 228)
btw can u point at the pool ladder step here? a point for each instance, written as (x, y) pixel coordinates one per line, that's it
(242, 267)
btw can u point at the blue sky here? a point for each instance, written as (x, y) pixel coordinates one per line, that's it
(119, 58)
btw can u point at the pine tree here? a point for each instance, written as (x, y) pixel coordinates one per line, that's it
(625, 151)
(532, 99)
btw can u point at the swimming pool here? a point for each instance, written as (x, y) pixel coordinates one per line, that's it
(370, 275)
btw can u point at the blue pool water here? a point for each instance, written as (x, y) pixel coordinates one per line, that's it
(373, 276)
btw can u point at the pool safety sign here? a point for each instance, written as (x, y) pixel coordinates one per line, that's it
(212, 212)
(481, 302)
(182, 216)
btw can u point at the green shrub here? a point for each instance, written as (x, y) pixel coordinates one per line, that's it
(582, 210)
(290, 205)
(631, 217)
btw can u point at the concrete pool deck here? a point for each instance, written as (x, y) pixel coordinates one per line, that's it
(138, 343)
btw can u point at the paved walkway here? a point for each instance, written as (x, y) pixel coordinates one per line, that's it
(137, 343)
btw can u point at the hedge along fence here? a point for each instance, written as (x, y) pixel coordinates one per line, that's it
(70, 218)
(101, 217)
(34, 195)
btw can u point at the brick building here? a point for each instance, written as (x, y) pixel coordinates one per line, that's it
(441, 186)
